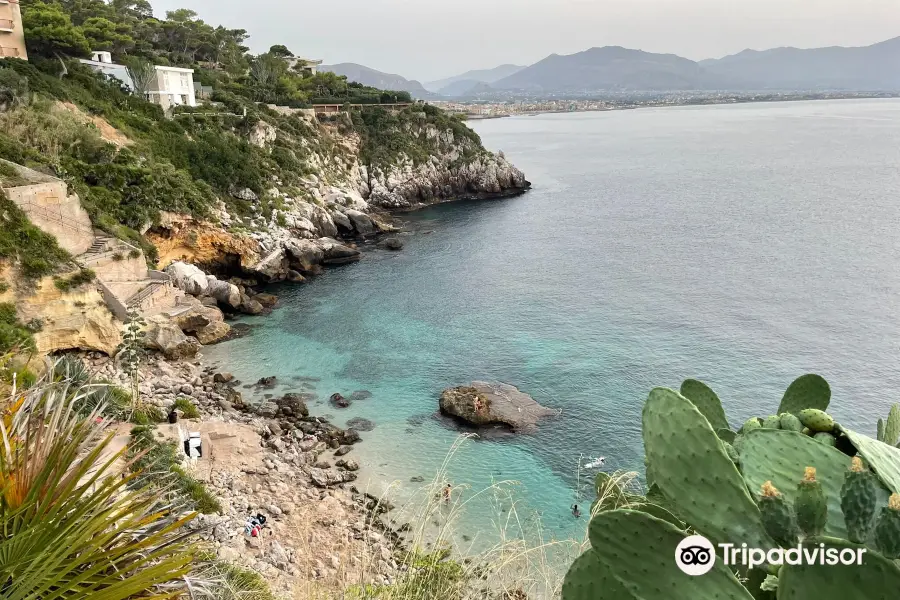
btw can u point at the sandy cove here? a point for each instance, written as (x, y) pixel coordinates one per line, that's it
(321, 534)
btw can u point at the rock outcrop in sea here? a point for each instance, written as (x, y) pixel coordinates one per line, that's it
(483, 404)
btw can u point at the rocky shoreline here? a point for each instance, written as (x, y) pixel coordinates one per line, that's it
(274, 458)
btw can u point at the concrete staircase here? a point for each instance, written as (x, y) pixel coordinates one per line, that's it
(125, 281)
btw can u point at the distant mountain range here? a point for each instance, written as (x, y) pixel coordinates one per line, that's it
(384, 81)
(459, 84)
(612, 68)
(867, 68)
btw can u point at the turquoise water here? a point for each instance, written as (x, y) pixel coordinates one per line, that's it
(742, 245)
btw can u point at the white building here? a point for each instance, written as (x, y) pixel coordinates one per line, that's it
(310, 65)
(102, 62)
(173, 86)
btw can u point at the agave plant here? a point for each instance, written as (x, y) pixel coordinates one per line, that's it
(70, 526)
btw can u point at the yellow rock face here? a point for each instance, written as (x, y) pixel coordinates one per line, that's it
(78, 319)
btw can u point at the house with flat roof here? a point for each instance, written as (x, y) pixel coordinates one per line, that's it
(172, 86)
(12, 36)
(310, 65)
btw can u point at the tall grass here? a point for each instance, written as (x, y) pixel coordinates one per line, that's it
(516, 560)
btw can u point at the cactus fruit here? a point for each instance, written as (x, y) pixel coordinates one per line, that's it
(859, 500)
(816, 420)
(772, 422)
(810, 506)
(790, 422)
(751, 424)
(806, 431)
(887, 531)
(778, 516)
(825, 438)
(884, 460)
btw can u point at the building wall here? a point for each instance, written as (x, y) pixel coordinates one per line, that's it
(12, 43)
(54, 211)
(173, 87)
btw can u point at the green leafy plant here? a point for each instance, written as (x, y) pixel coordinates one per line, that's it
(70, 524)
(187, 407)
(819, 493)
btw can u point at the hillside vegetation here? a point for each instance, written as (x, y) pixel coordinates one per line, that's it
(192, 162)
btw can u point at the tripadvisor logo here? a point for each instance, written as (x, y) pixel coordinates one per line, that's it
(696, 555)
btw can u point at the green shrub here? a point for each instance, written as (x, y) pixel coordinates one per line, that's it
(118, 257)
(67, 284)
(13, 335)
(36, 252)
(158, 463)
(187, 407)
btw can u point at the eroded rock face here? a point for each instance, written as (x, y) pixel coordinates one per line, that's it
(164, 335)
(225, 293)
(78, 319)
(483, 403)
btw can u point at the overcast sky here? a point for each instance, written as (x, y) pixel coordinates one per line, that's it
(432, 39)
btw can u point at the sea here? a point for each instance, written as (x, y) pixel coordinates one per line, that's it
(742, 245)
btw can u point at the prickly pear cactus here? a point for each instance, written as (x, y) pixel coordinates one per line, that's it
(810, 506)
(887, 530)
(817, 420)
(706, 401)
(882, 458)
(692, 469)
(790, 422)
(892, 427)
(876, 577)
(772, 422)
(778, 516)
(808, 391)
(825, 438)
(780, 457)
(732, 453)
(620, 567)
(726, 435)
(751, 424)
(859, 501)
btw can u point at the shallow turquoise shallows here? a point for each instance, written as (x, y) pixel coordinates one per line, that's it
(742, 245)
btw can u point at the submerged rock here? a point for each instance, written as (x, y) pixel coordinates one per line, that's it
(393, 243)
(339, 401)
(360, 424)
(483, 403)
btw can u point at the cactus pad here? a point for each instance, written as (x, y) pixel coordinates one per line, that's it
(892, 426)
(883, 459)
(726, 435)
(647, 569)
(877, 577)
(808, 391)
(778, 516)
(706, 401)
(859, 501)
(810, 505)
(780, 457)
(590, 579)
(887, 531)
(692, 469)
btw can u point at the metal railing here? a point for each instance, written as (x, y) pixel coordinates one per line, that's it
(150, 290)
(56, 217)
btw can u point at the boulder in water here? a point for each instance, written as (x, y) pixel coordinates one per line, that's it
(339, 401)
(484, 404)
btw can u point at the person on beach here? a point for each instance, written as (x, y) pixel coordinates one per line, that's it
(447, 492)
(575, 512)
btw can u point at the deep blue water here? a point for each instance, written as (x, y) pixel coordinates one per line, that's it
(742, 245)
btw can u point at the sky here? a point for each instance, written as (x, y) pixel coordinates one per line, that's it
(432, 39)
